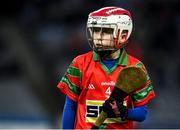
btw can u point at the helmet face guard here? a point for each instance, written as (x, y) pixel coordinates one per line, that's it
(113, 21)
(108, 43)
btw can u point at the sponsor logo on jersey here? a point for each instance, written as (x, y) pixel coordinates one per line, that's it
(111, 83)
(93, 110)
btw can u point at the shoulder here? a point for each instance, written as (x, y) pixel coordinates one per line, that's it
(134, 61)
(80, 60)
(84, 56)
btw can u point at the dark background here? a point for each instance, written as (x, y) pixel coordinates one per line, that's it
(39, 39)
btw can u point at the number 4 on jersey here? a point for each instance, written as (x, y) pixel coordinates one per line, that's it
(108, 91)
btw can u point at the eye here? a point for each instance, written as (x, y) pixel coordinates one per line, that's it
(107, 30)
(96, 29)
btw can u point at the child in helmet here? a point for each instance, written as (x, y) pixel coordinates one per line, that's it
(90, 78)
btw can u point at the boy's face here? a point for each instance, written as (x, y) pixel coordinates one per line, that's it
(103, 38)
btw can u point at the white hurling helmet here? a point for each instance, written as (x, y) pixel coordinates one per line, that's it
(114, 18)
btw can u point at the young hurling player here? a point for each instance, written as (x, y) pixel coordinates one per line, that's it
(91, 77)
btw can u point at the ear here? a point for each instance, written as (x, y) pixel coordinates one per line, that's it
(123, 37)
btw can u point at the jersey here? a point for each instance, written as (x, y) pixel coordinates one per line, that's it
(89, 82)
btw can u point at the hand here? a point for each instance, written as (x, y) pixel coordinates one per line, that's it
(114, 109)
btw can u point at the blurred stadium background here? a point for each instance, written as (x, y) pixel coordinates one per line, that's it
(39, 39)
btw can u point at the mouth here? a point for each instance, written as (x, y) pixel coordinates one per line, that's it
(99, 46)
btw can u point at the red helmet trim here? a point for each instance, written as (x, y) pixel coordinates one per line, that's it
(107, 11)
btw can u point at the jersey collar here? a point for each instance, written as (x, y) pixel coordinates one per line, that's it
(122, 59)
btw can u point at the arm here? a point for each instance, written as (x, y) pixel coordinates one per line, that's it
(117, 109)
(69, 114)
(138, 113)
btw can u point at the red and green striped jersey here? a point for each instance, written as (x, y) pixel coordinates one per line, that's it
(89, 82)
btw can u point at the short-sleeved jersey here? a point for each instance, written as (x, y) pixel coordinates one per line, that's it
(89, 83)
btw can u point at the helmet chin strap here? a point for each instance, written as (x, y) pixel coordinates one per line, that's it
(109, 54)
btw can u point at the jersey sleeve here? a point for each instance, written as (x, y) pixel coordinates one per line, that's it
(70, 82)
(144, 95)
